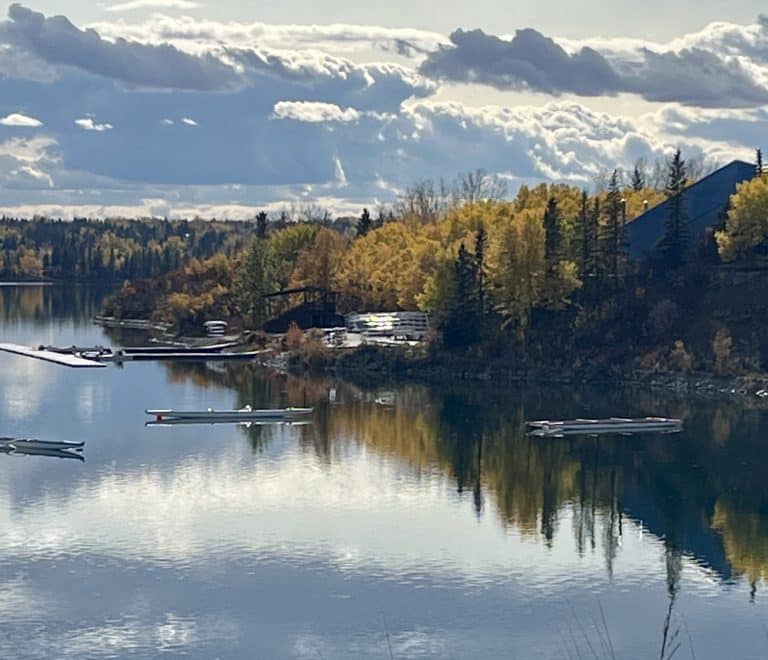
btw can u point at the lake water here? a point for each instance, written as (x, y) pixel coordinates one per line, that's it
(424, 525)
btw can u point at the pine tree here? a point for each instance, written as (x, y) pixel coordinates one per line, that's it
(674, 245)
(252, 282)
(460, 325)
(261, 225)
(588, 222)
(364, 224)
(614, 241)
(481, 243)
(759, 168)
(638, 178)
(552, 236)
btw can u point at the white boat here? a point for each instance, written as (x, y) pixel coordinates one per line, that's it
(243, 414)
(602, 426)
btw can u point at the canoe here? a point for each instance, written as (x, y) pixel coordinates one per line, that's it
(244, 414)
(602, 426)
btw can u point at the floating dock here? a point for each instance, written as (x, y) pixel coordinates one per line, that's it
(67, 359)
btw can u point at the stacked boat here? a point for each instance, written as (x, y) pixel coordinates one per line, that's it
(51, 448)
(617, 425)
(247, 414)
(220, 351)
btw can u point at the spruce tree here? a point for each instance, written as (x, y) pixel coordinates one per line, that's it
(675, 242)
(588, 226)
(759, 168)
(638, 179)
(552, 237)
(614, 242)
(261, 225)
(461, 322)
(481, 242)
(364, 223)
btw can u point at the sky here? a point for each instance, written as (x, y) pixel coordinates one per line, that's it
(186, 107)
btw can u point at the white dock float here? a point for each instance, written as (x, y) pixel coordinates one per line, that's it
(66, 359)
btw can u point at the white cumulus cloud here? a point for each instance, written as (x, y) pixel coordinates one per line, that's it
(87, 124)
(19, 120)
(314, 112)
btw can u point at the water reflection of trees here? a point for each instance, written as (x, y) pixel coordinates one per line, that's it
(39, 304)
(700, 491)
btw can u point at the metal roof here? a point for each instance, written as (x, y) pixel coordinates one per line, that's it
(706, 200)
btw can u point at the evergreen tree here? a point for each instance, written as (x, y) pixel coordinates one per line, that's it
(460, 327)
(481, 244)
(588, 223)
(675, 242)
(261, 225)
(759, 167)
(364, 224)
(614, 240)
(552, 236)
(253, 282)
(638, 178)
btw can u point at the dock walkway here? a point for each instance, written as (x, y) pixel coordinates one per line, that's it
(50, 356)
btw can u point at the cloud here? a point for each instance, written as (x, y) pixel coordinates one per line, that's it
(152, 4)
(299, 124)
(25, 164)
(87, 124)
(20, 120)
(58, 42)
(212, 67)
(314, 112)
(528, 61)
(694, 77)
(722, 66)
(192, 34)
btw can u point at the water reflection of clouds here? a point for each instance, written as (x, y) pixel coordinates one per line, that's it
(24, 383)
(128, 635)
(356, 515)
(18, 600)
(90, 398)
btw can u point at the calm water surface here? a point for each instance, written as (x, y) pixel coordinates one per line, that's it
(429, 528)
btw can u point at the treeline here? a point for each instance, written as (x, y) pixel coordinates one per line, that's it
(545, 276)
(115, 249)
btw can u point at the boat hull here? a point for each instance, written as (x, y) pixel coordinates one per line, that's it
(605, 426)
(276, 414)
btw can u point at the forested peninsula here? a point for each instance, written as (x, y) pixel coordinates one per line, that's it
(540, 285)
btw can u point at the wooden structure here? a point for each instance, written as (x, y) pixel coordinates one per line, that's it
(308, 307)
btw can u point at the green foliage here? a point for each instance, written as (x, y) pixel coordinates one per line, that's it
(114, 249)
(675, 244)
(254, 281)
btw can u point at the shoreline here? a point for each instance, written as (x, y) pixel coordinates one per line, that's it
(377, 366)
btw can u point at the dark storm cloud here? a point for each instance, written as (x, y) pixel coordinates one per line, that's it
(532, 61)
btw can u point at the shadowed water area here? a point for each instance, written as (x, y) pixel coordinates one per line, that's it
(405, 521)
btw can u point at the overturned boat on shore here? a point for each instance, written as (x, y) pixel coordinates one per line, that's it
(620, 425)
